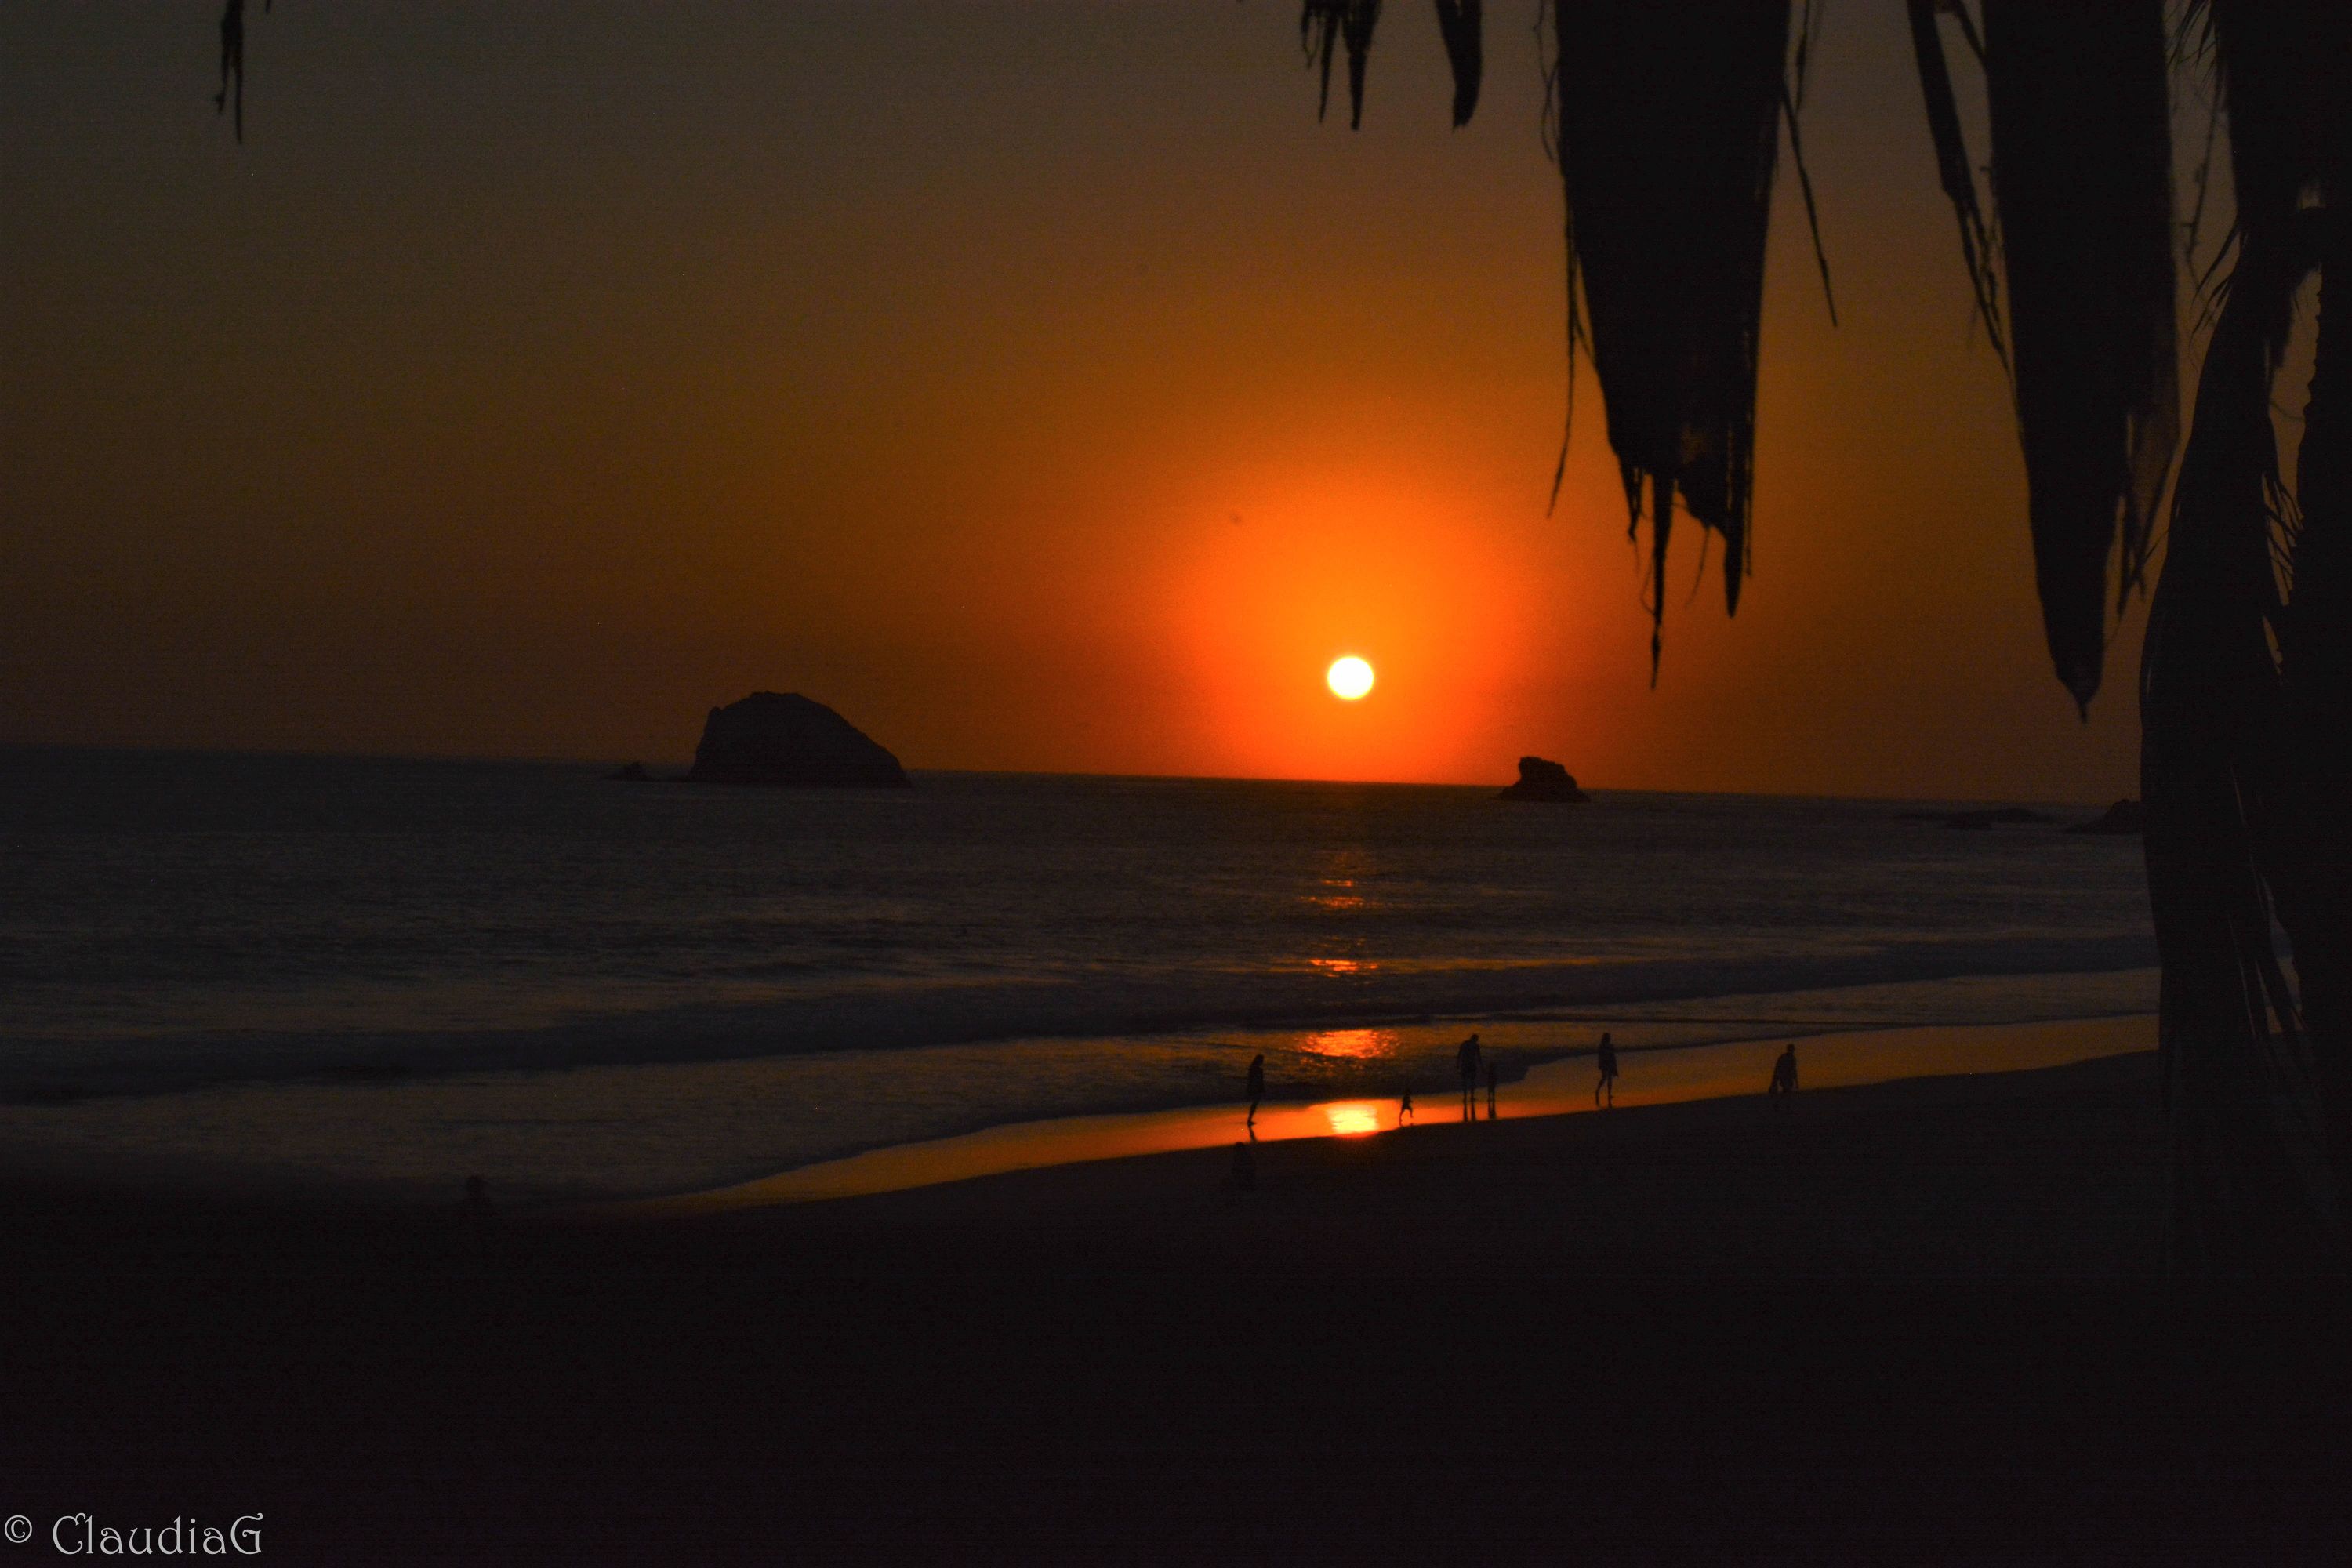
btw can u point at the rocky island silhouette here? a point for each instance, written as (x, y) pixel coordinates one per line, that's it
(773, 738)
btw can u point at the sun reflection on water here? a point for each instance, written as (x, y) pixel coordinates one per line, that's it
(1356, 1043)
(1353, 1117)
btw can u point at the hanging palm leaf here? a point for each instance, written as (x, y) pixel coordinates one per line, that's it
(1325, 26)
(1668, 126)
(2277, 67)
(1461, 26)
(232, 64)
(1328, 28)
(1952, 166)
(2081, 177)
(2082, 167)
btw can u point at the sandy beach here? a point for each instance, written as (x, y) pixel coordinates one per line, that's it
(1916, 1322)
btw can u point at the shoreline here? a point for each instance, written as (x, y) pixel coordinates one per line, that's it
(1718, 1070)
(595, 1133)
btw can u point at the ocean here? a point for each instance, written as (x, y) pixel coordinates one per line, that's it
(600, 986)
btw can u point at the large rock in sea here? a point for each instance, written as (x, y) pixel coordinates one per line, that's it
(787, 739)
(1541, 780)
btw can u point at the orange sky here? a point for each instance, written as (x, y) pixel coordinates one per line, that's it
(1038, 384)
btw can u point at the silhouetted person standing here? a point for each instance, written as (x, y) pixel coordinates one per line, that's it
(1490, 1088)
(1466, 1060)
(1608, 1084)
(1784, 1076)
(1256, 1087)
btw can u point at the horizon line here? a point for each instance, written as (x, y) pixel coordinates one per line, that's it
(135, 748)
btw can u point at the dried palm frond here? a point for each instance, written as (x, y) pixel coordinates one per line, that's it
(1664, 116)
(1668, 129)
(232, 33)
(1326, 28)
(1461, 27)
(1326, 25)
(1952, 166)
(232, 37)
(2280, 67)
(1792, 104)
(2082, 179)
(1792, 107)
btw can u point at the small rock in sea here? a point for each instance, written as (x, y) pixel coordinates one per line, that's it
(630, 772)
(1999, 815)
(1542, 780)
(786, 739)
(2124, 816)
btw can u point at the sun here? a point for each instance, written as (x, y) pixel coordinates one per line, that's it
(1348, 677)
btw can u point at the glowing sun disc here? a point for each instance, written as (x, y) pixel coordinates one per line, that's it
(1348, 677)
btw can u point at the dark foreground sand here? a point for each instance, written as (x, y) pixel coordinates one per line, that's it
(1916, 1322)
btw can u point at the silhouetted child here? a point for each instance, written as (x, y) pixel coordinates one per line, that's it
(1608, 1084)
(1784, 1077)
(1257, 1085)
(1490, 1088)
(1465, 1061)
(1404, 1108)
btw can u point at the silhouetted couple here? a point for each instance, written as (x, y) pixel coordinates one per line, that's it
(1608, 1084)
(1465, 1060)
(1784, 1077)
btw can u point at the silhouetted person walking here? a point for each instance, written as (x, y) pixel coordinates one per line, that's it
(1256, 1088)
(1404, 1108)
(1465, 1060)
(1784, 1077)
(1608, 1084)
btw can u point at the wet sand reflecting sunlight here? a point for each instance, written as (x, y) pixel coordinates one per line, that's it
(1560, 1087)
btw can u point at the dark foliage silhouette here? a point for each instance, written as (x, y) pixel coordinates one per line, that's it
(231, 95)
(1665, 135)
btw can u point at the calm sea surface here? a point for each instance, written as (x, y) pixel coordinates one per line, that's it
(172, 923)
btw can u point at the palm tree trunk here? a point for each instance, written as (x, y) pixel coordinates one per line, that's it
(2252, 1192)
(2310, 862)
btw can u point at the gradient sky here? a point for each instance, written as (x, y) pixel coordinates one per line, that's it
(1037, 384)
